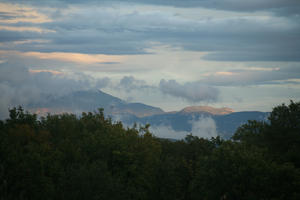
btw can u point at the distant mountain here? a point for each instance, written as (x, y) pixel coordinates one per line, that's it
(91, 100)
(226, 124)
(226, 120)
(207, 109)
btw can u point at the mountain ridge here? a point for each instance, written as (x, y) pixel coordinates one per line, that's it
(226, 120)
(207, 109)
(91, 100)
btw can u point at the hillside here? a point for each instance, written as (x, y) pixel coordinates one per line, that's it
(225, 119)
(91, 100)
(207, 109)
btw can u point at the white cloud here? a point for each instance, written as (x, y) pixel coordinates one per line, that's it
(191, 91)
(203, 128)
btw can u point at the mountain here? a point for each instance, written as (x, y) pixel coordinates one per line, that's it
(91, 100)
(225, 119)
(226, 124)
(207, 109)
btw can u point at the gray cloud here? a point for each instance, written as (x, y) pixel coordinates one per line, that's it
(8, 36)
(130, 83)
(7, 15)
(191, 91)
(276, 55)
(261, 76)
(107, 30)
(20, 87)
(286, 7)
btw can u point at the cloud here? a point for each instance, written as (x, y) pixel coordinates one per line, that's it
(167, 132)
(252, 76)
(24, 28)
(130, 83)
(11, 36)
(14, 13)
(63, 35)
(191, 91)
(125, 30)
(53, 72)
(74, 57)
(290, 54)
(287, 7)
(22, 86)
(203, 128)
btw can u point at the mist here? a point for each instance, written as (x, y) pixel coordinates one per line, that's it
(22, 86)
(204, 127)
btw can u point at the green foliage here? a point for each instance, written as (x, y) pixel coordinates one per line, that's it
(90, 157)
(237, 171)
(281, 135)
(250, 132)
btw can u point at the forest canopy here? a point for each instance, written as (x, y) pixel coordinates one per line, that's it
(90, 157)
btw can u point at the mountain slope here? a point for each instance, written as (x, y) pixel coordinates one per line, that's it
(226, 124)
(84, 101)
(207, 109)
(225, 119)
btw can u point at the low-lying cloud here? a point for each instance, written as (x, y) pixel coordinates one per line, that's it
(203, 128)
(190, 91)
(22, 86)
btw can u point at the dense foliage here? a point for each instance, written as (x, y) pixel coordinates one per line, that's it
(90, 157)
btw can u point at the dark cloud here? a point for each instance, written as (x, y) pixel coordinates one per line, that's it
(110, 32)
(99, 30)
(286, 7)
(191, 91)
(7, 15)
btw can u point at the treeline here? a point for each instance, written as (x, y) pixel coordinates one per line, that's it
(90, 157)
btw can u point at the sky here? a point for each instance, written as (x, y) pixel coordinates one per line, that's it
(166, 53)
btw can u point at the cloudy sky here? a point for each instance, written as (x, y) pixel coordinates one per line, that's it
(166, 53)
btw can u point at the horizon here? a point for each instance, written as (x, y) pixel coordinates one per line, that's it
(188, 109)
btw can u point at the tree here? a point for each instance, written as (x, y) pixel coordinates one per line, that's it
(90, 157)
(281, 134)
